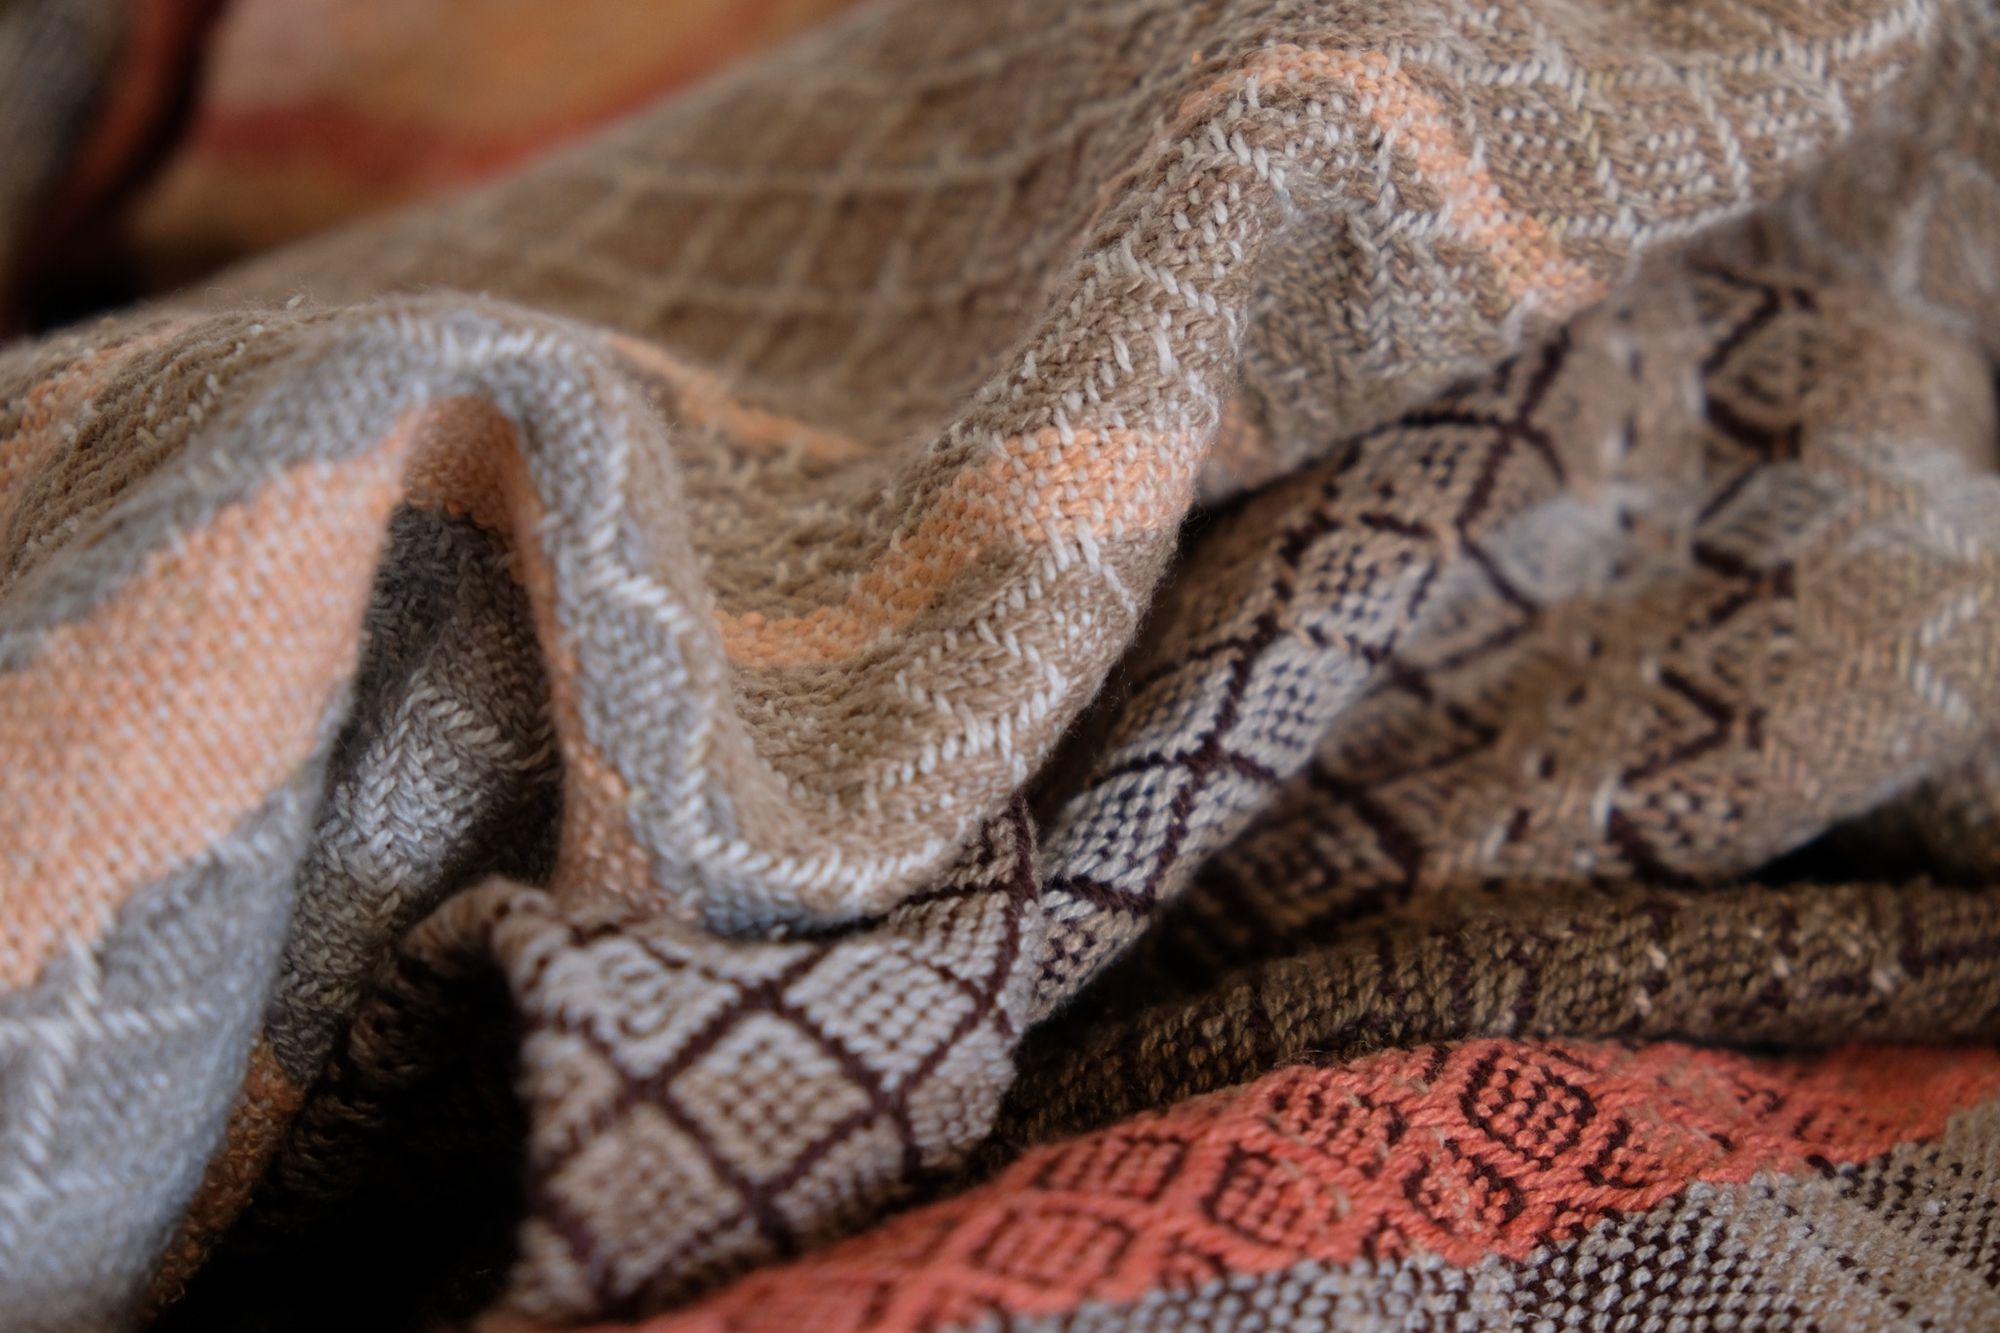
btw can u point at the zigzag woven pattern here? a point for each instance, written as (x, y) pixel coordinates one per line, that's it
(995, 571)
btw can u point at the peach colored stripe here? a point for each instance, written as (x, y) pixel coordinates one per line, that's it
(1526, 256)
(1523, 250)
(1036, 489)
(467, 461)
(143, 733)
(701, 398)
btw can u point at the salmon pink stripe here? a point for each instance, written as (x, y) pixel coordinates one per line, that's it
(1486, 1148)
(145, 731)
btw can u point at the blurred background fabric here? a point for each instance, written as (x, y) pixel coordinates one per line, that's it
(153, 141)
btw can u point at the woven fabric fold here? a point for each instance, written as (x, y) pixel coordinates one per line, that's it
(564, 744)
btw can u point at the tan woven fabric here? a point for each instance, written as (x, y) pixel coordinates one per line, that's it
(589, 685)
(1800, 966)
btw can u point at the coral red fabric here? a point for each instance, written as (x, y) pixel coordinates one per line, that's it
(1483, 1148)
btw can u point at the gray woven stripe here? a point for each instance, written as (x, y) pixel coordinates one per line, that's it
(118, 1068)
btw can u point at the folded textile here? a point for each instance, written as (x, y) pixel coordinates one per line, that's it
(1271, 643)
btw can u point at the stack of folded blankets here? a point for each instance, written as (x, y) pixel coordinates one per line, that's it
(1104, 664)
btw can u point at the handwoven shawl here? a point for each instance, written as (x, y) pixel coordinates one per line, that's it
(1276, 663)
